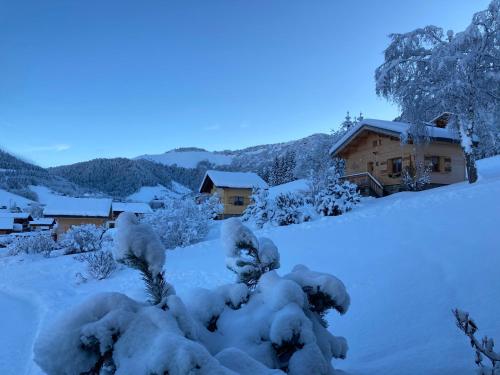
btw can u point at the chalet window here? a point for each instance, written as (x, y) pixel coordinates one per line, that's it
(395, 165)
(238, 200)
(433, 163)
(447, 164)
(374, 143)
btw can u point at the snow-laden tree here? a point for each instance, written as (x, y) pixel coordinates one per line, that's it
(139, 246)
(416, 178)
(181, 222)
(282, 169)
(427, 72)
(247, 256)
(290, 208)
(83, 238)
(259, 210)
(335, 196)
(212, 206)
(482, 349)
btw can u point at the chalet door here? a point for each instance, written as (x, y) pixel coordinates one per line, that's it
(369, 167)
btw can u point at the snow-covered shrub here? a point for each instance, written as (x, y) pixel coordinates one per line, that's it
(336, 197)
(83, 238)
(246, 255)
(100, 264)
(212, 206)
(483, 348)
(290, 208)
(180, 223)
(259, 211)
(416, 178)
(35, 243)
(138, 246)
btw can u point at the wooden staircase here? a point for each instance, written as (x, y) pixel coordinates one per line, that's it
(367, 184)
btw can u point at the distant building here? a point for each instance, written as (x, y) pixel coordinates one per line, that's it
(375, 156)
(140, 209)
(21, 219)
(43, 223)
(234, 189)
(6, 225)
(68, 212)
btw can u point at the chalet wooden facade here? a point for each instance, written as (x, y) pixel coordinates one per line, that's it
(68, 212)
(375, 156)
(233, 188)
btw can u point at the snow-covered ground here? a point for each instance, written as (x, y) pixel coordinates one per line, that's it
(406, 260)
(297, 186)
(8, 199)
(147, 193)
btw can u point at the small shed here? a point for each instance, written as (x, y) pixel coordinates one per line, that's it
(6, 225)
(234, 189)
(22, 219)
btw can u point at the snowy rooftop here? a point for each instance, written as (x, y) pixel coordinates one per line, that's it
(91, 207)
(136, 208)
(392, 127)
(6, 223)
(14, 215)
(241, 180)
(42, 221)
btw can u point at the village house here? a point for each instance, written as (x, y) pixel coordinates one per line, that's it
(43, 223)
(77, 211)
(6, 225)
(21, 219)
(233, 188)
(375, 156)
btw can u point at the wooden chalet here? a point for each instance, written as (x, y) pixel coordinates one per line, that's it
(77, 211)
(43, 223)
(233, 188)
(21, 219)
(375, 155)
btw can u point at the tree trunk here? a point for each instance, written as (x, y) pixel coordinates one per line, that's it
(470, 163)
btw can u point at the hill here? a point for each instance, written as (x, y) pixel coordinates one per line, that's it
(406, 261)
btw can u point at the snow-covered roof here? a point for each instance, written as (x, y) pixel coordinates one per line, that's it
(389, 127)
(14, 215)
(241, 180)
(90, 207)
(6, 223)
(134, 207)
(42, 221)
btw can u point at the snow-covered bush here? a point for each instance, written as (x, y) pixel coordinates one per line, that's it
(100, 264)
(138, 246)
(336, 197)
(180, 223)
(483, 348)
(290, 208)
(259, 211)
(35, 243)
(212, 206)
(416, 178)
(273, 327)
(246, 255)
(83, 238)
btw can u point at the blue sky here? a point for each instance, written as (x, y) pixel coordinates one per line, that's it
(87, 79)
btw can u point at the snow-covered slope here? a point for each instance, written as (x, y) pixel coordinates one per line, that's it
(8, 199)
(297, 186)
(189, 158)
(406, 260)
(147, 193)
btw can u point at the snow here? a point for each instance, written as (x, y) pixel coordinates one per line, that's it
(6, 223)
(14, 215)
(394, 127)
(406, 260)
(147, 193)
(65, 206)
(42, 221)
(243, 180)
(297, 186)
(7, 199)
(189, 159)
(134, 207)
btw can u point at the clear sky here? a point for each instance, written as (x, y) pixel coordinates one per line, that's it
(105, 78)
